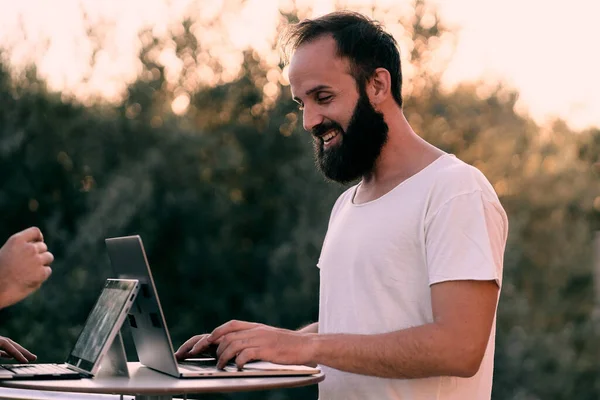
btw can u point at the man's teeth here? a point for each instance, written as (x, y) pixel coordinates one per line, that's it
(329, 136)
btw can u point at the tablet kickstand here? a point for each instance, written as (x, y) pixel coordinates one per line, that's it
(115, 360)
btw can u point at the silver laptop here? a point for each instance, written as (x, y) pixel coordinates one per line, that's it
(149, 329)
(100, 329)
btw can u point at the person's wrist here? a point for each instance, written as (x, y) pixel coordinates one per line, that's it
(313, 348)
(4, 298)
(8, 292)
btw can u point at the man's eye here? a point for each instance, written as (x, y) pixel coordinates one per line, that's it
(324, 99)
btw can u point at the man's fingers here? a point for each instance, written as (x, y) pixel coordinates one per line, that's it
(231, 338)
(46, 258)
(47, 272)
(32, 234)
(200, 346)
(200, 343)
(229, 349)
(11, 350)
(231, 326)
(41, 247)
(184, 349)
(228, 354)
(41, 276)
(247, 355)
(26, 353)
(188, 344)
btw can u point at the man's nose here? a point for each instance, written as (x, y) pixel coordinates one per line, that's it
(310, 118)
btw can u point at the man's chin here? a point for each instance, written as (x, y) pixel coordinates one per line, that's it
(333, 174)
(327, 149)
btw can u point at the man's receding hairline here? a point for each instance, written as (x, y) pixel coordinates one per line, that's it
(349, 63)
(323, 35)
(318, 36)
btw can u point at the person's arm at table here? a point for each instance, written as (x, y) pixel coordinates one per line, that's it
(452, 345)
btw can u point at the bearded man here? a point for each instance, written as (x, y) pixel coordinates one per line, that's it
(411, 266)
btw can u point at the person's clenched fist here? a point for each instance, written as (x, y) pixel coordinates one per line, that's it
(24, 265)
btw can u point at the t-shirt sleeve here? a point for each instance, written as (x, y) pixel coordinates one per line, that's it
(465, 240)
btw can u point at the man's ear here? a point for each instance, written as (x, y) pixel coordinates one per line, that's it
(379, 86)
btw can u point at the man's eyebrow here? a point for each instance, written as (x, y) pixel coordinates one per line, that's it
(311, 91)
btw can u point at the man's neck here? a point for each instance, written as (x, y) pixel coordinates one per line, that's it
(403, 155)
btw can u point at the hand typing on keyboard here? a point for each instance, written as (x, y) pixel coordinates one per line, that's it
(197, 347)
(12, 349)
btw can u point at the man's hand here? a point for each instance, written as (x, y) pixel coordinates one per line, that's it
(247, 341)
(197, 346)
(24, 265)
(11, 349)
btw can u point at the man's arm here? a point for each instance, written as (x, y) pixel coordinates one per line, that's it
(453, 344)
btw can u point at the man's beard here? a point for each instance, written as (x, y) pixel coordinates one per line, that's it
(360, 145)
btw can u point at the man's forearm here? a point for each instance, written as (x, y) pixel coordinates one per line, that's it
(312, 328)
(418, 352)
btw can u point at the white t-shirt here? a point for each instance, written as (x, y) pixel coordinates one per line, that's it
(379, 259)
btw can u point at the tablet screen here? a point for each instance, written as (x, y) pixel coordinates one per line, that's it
(101, 322)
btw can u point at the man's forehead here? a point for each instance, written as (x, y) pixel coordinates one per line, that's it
(316, 60)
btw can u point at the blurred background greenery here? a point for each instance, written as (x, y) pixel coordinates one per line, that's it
(217, 176)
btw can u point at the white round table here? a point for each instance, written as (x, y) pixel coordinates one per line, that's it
(147, 384)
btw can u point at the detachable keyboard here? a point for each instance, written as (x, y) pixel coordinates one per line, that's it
(40, 371)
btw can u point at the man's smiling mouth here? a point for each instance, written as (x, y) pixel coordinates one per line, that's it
(330, 135)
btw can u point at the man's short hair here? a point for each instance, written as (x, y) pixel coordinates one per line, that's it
(359, 39)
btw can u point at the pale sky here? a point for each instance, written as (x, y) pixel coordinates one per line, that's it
(546, 49)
